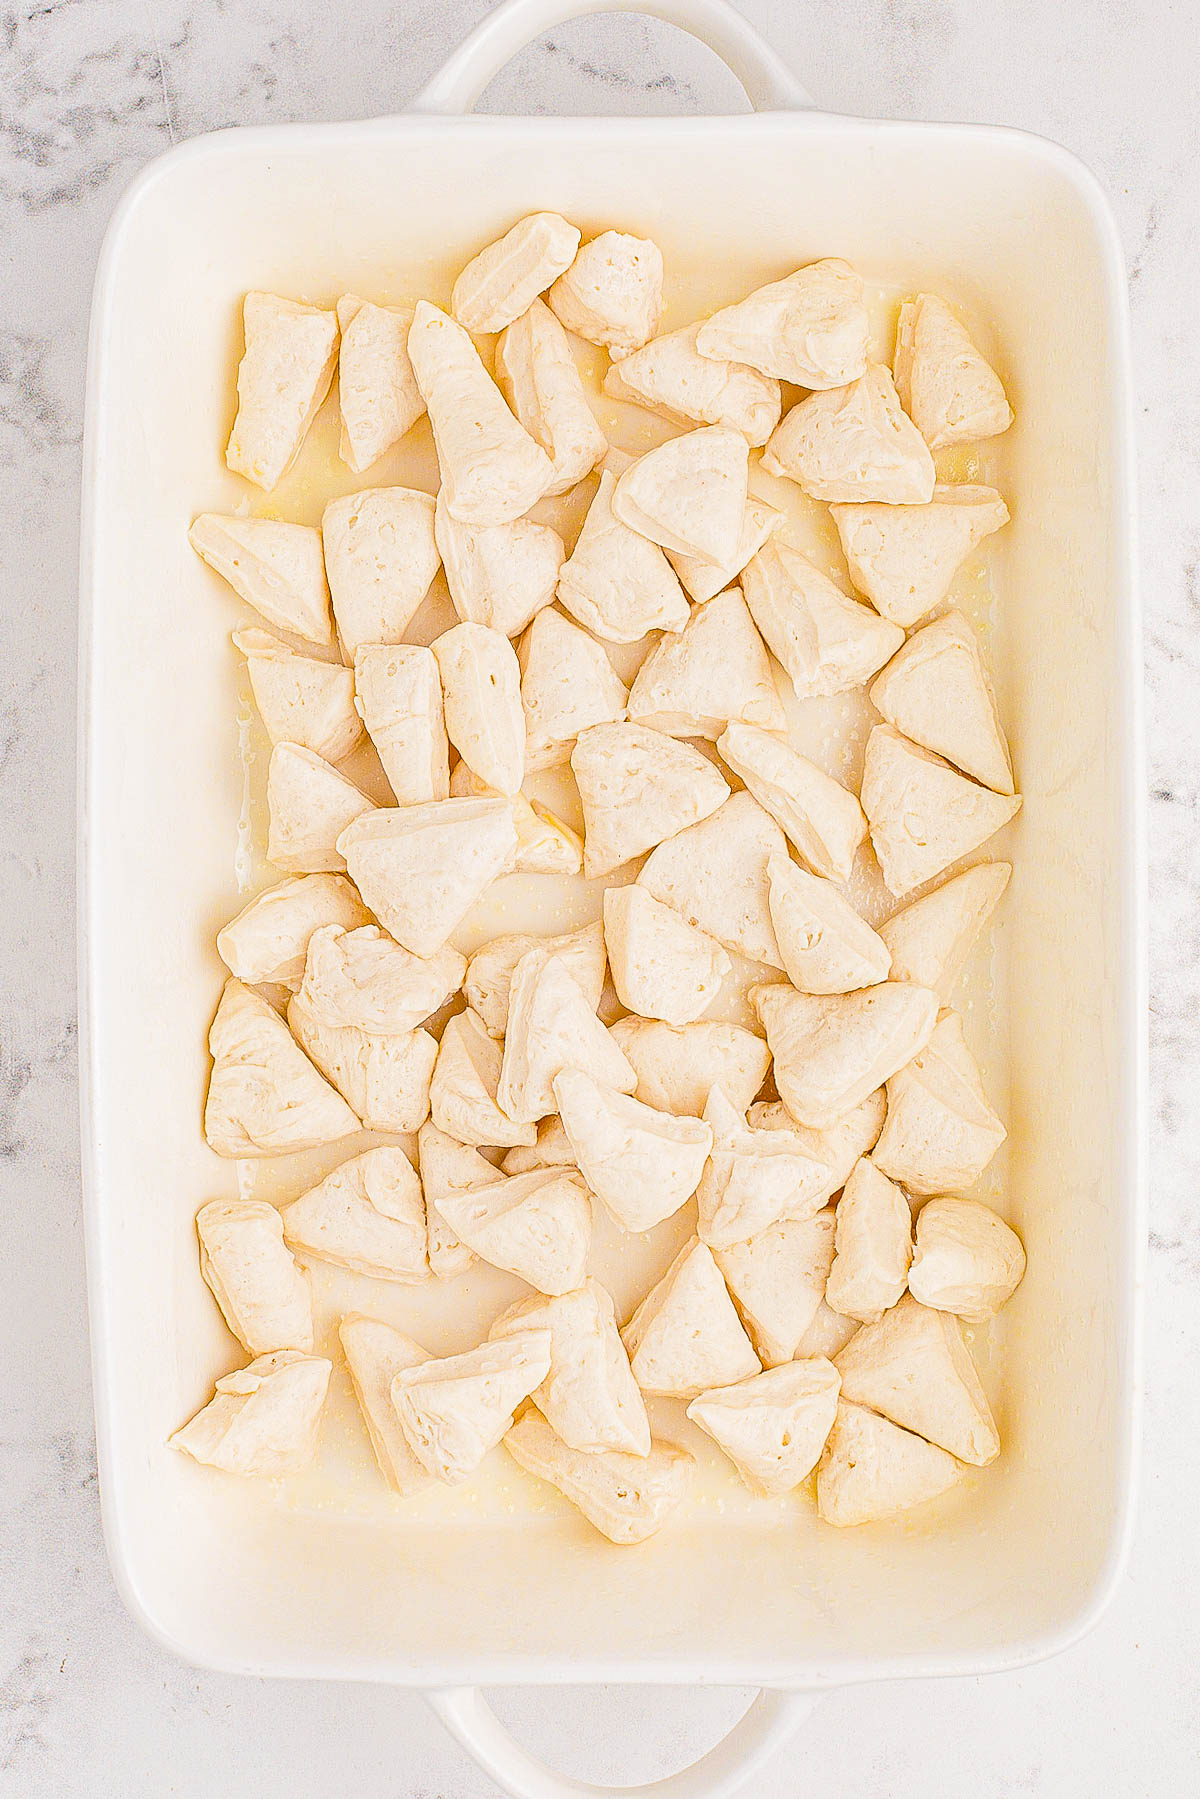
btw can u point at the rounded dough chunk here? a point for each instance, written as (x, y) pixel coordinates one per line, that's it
(825, 945)
(949, 390)
(714, 672)
(662, 967)
(772, 1426)
(383, 1076)
(936, 691)
(375, 1354)
(454, 1409)
(642, 1163)
(715, 875)
(589, 1398)
(811, 328)
(686, 1335)
(873, 1246)
(914, 1368)
(309, 805)
(689, 494)
(377, 390)
(462, 1096)
(367, 1215)
(638, 787)
(940, 1133)
(275, 567)
(504, 280)
(538, 376)
(263, 1419)
(612, 293)
(820, 816)
(537, 1226)
(421, 868)
(488, 981)
(301, 700)
(872, 1469)
(400, 700)
(967, 1260)
(905, 557)
(381, 558)
(481, 696)
(931, 939)
(567, 684)
(616, 582)
(832, 1050)
(670, 377)
(853, 443)
(826, 642)
(839, 1145)
(264, 1297)
(268, 940)
(626, 1497)
(362, 978)
(498, 575)
(752, 1178)
(265, 1098)
(923, 814)
(777, 1279)
(678, 1067)
(552, 1026)
(287, 364)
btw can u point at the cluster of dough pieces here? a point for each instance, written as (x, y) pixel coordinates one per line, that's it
(804, 1330)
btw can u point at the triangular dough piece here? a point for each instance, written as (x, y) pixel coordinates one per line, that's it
(923, 814)
(820, 816)
(773, 1426)
(936, 691)
(300, 699)
(811, 328)
(462, 1097)
(551, 1026)
(552, 1150)
(670, 376)
(777, 1279)
(385, 1077)
(268, 940)
(826, 642)
(275, 567)
(686, 1335)
(400, 699)
(505, 279)
(589, 1398)
(537, 1226)
(967, 1260)
(715, 875)
(567, 684)
(678, 1067)
(626, 1497)
(825, 945)
(915, 1369)
(490, 970)
(616, 582)
(498, 575)
(853, 444)
(753, 1178)
(873, 1246)
(931, 939)
(638, 787)
(872, 1469)
(704, 579)
(941, 1133)
(263, 1419)
(492, 471)
(448, 1166)
(905, 557)
(689, 494)
(538, 377)
(662, 967)
(481, 694)
(375, 1353)
(453, 1409)
(642, 1163)
(287, 364)
(421, 868)
(309, 805)
(264, 1297)
(839, 1146)
(952, 394)
(377, 390)
(362, 978)
(368, 1215)
(612, 292)
(265, 1098)
(381, 556)
(715, 671)
(832, 1050)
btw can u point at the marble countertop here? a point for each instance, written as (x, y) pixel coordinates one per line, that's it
(93, 89)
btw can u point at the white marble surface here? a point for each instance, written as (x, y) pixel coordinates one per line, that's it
(89, 90)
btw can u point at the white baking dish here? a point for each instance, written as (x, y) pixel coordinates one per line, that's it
(241, 1580)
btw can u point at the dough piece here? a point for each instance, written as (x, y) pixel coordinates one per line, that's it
(829, 1332)
(638, 787)
(268, 940)
(463, 1094)
(967, 1260)
(832, 1050)
(552, 1150)
(589, 1398)
(375, 1354)
(384, 1077)
(905, 557)
(627, 1497)
(377, 390)
(612, 292)
(686, 1336)
(265, 1098)
(811, 328)
(714, 672)
(275, 567)
(567, 684)
(853, 443)
(940, 1133)
(264, 1297)
(689, 494)
(421, 868)
(670, 376)
(537, 1226)
(368, 1215)
(936, 691)
(551, 1026)
(773, 1426)
(309, 804)
(492, 471)
(826, 642)
(616, 582)
(951, 393)
(287, 364)
(777, 1279)
(825, 945)
(922, 813)
(362, 978)
(490, 970)
(872, 1469)
(538, 377)
(498, 575)
(662, 967)
(504, 280)
(453, 1409)
(400, 699)
(820, 816)
(447, 1166)
(545, 845)
(873, 1246)
(715, 875)
(300, 699)
(642, 1163)
(381, 556)
(931, 939)
(263, 1419)
(839, 1146)
(914, 1368)
(481, 693)
(704, 579)
(753, 1178)
(678, 1067)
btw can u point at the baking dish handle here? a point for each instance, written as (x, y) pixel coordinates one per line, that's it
(769, 83)
(756, 1736)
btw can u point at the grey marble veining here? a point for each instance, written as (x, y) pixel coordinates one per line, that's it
(89, 91)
